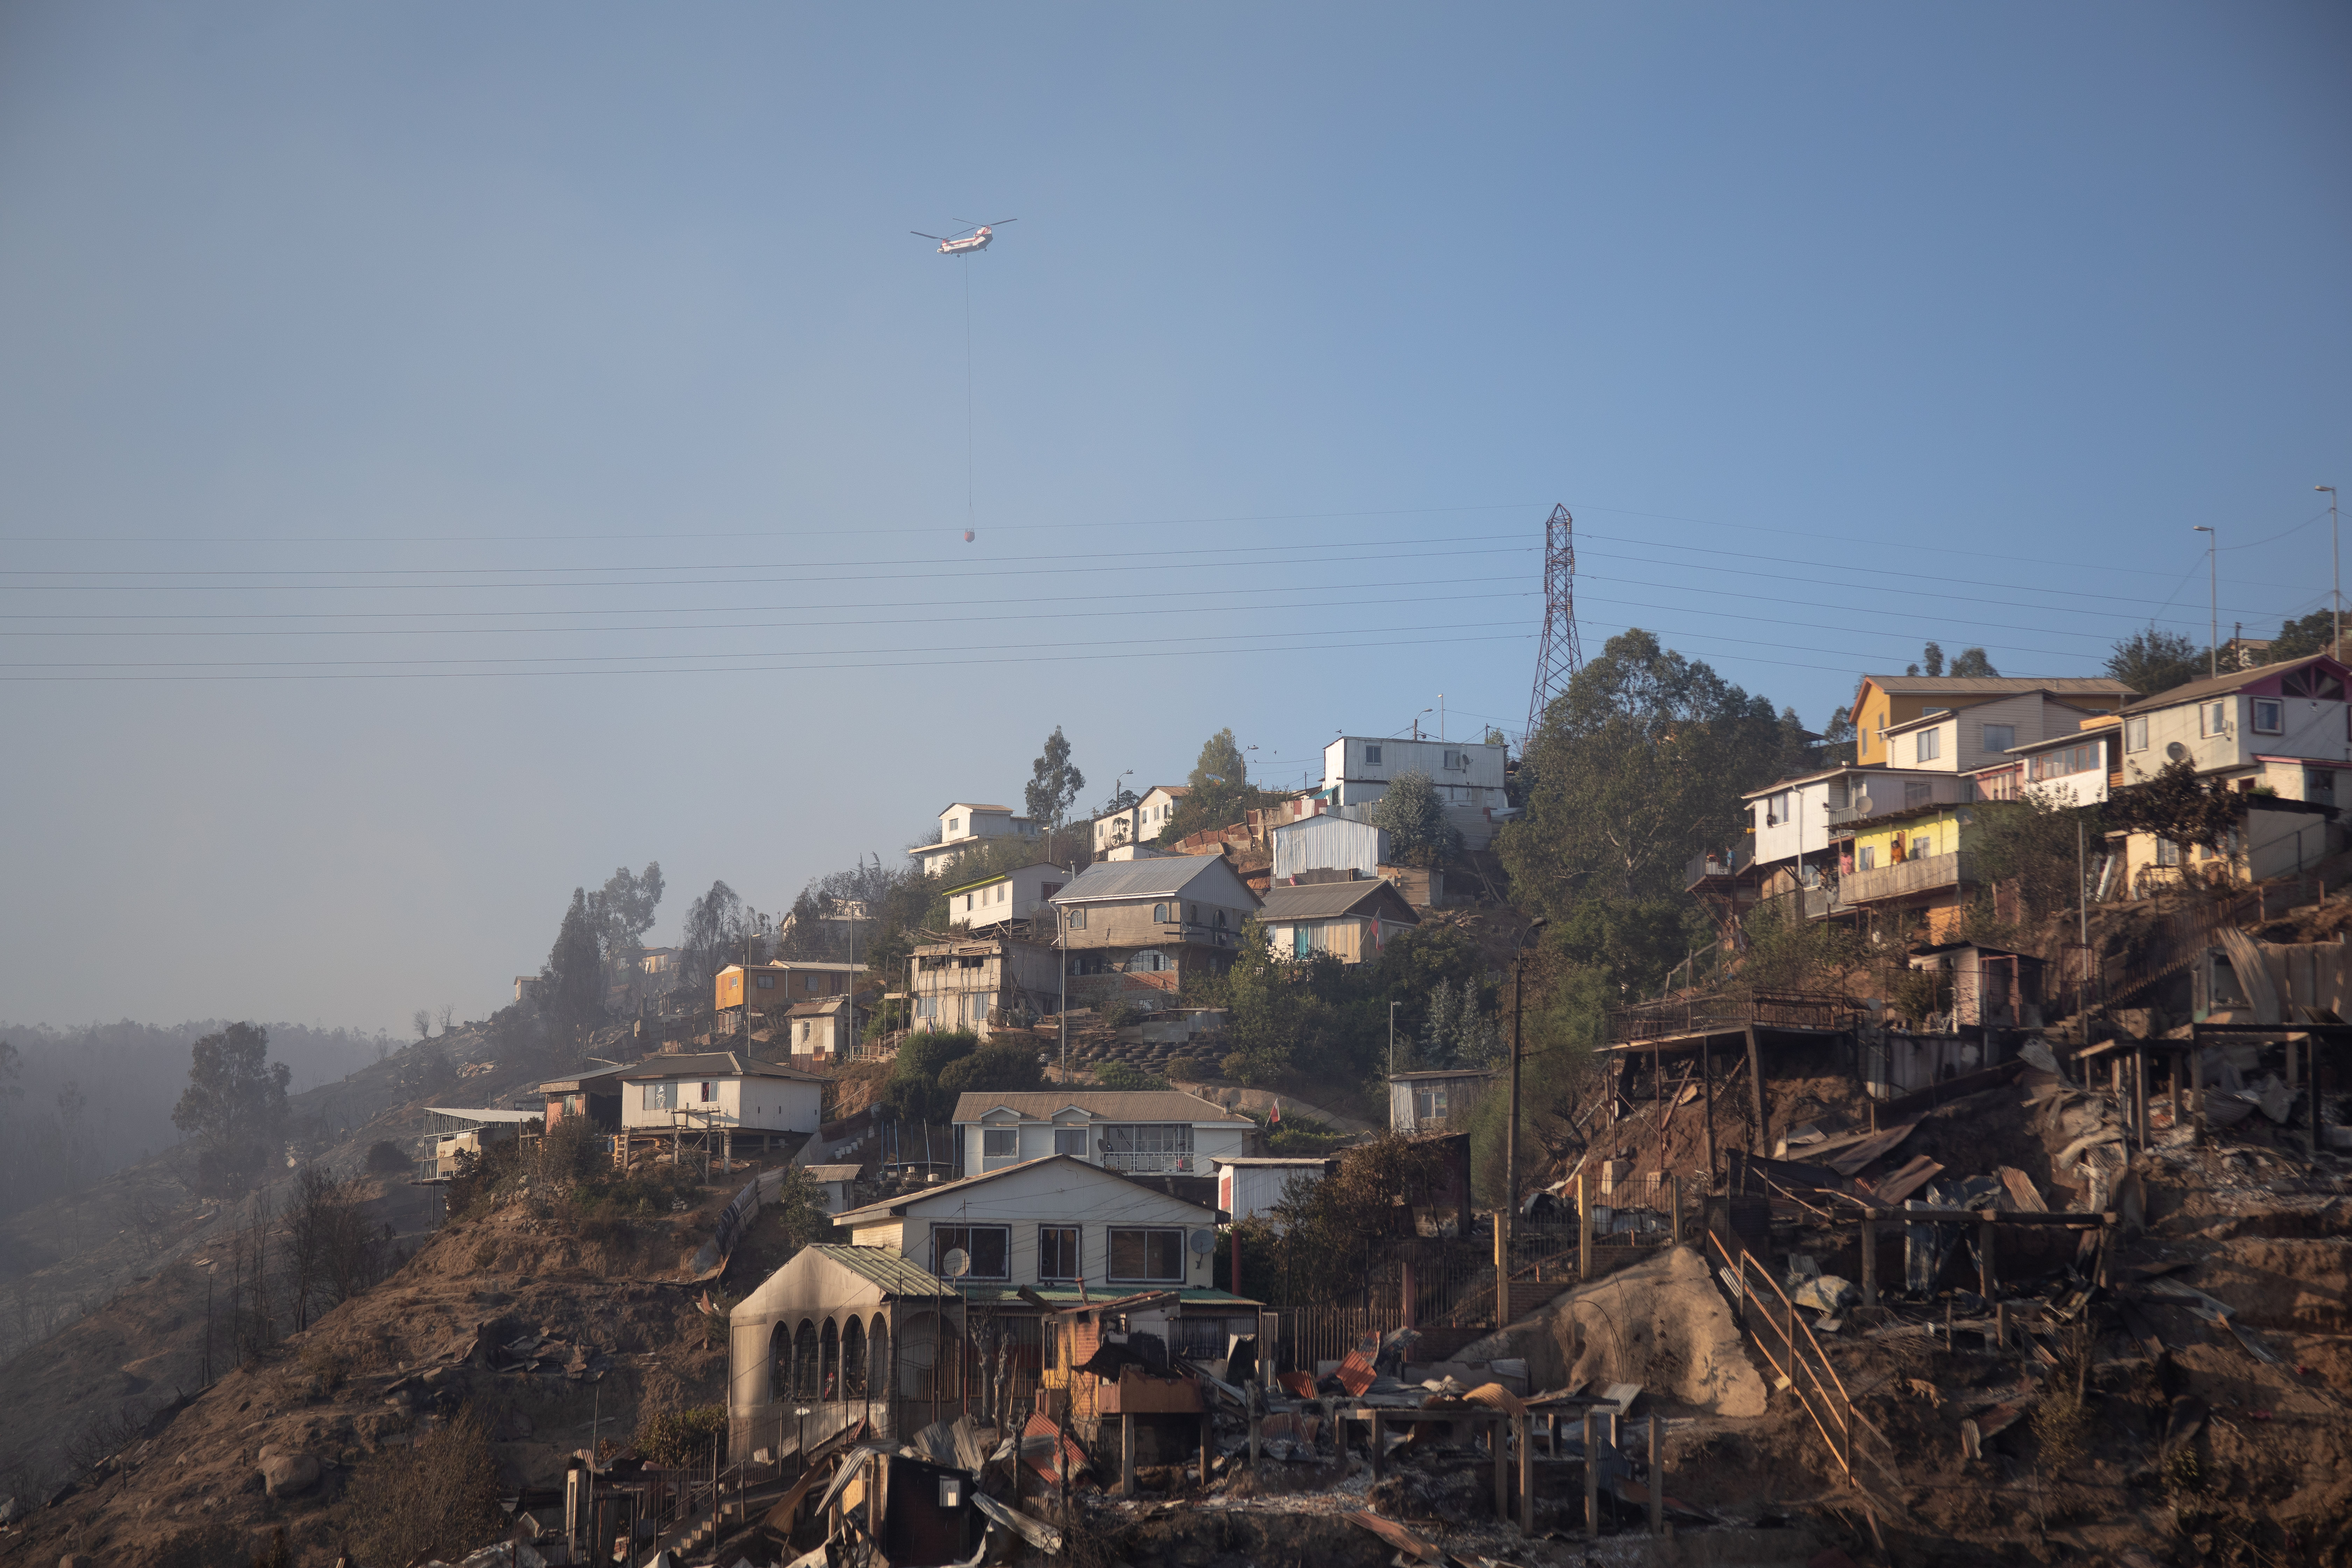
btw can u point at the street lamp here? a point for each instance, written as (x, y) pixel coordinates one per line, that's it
(2335, 563)
(2213, 587)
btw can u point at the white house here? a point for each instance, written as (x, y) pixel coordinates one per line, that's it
(2264, 725)
(2071, 770)
(1961, 739)
(1251, 1186)
(836, 1186)
(1328, 842)
(1141, 822)
(965, 824)
(721, 1092)
(1051, 1221)
(1467, 774)
(1797, 821)
(1013, 895)
(1148, 1132)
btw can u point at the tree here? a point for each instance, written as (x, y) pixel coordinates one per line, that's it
(1053, 785)
(1837, 737)
(234, 1108)
(1216, 792)
(424, 1022)
(1457, 1031)
(995, 1069)
(1414, 818)
(914, 1091)
(1972, 661)
(2176, 804)
(1932, 657)
(2153, 661)
(718, 928)
(2313, 634)
(571, 982)
(622, 912)
(2032, 842)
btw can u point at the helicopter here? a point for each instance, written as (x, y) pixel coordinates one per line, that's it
(973, 240)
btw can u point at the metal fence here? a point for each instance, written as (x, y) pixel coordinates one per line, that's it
(1771, 1321)
(1730, 1010)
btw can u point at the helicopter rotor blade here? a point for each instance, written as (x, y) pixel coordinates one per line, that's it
(998, 223)
(918, 233)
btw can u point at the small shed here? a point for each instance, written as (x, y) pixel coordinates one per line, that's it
(1987, 986)
(836, 1186)
(1435, 1102)
(1328, 842)
(1251, 1186)
(595, 1096)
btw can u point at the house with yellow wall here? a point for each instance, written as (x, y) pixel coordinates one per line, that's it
(781, 985)
(1916, 859)
(2032, 708)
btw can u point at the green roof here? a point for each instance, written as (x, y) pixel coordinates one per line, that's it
(884, 1268)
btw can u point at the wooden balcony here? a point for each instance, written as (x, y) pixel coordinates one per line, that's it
(1911, 879)
(1730, 1011)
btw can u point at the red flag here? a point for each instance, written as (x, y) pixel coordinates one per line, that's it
(1275, 1119)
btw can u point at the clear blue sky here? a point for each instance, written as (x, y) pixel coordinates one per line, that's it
(575, 437)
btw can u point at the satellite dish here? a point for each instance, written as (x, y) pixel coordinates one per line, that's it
(956, 1264)
(1862, 804)
(1205, 1242)
(2177, 751)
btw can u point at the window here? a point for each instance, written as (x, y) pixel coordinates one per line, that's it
(1916, 792)
(2318, 784)
(1922, 846)
(804, 1031)
(2213, 718)
(2270, 716)
(953, 824)
(1160, 914)
(1372, 756)
(1152, 1256)
(2082, 758)
(1456, 760)
(767, 982)
(1927, 745)
(2136, 733)
(1866, 857)
(709, 1091)
(990, 1247)
(2000, 737)
(2168, 853)
(998, 1142)
(1070, 1141)
(1192, 913)
(1840, 794)
(661, 1097)
(926, 1006)
(1430, 1104)
(1057, 1253)
(1077, 920)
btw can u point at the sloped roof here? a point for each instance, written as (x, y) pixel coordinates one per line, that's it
(1326, 901)
(890, 1207)
(713, 1064)
(1106, 1104)
(834, 1172)
(884, 1268)
(2222, 685)
(1001, 876)
(1160, 877)
(970, 806)
(1999, 685)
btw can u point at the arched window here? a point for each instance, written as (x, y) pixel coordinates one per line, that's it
(879, 1384)
(853, 1360)
(804, 1360)
(1160, 914)
(780, 1364)
(829, 1363)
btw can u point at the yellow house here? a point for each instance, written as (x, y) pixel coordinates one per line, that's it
(781, 985)
(1912, 860)
(1885, 702)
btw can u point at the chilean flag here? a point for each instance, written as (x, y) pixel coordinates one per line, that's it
(1276, 1118)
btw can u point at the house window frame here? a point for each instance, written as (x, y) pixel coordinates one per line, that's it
(1012, 1139)
(1174, 1235)
(1371, 756)
(1063, 1136)
(1927, 745)
(1160, 914)
(2277, 708)
(2136, 733)
(2213, 718)
(945, 1238)
(1075, 919)
(1070, 1236)
(1865, 857)
(662, 1096)
(1431, 1104)
(2008, 734)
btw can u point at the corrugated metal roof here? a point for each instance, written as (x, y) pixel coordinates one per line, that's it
(2219, 685)
(1997, 685)
(834, 1172)
(713, 1064)
(1106, 1104)
(1323, 901)
(884, 1268)
(874, 1214)
(1460, 1072)
(1156, 879)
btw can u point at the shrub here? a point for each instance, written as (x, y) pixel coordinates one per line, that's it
(1120, 1012)
(1125, 1075)
(571, 1150)
(1004, 1069)
(1235, 1065)
(1186, 1070)
(439, 1497)
(676, 1438)
(386, 1158)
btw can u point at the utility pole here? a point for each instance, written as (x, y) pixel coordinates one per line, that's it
(1392, 1007)
(2336, 565)
(1062, 951)
(2213, 588)
(1510, 1208)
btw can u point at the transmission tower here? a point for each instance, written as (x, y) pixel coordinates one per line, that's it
(1561, 657)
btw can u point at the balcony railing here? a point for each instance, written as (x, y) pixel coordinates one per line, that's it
(1912, 877)
(1730, 1010)
(1149, 1165)
(1729, 863)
